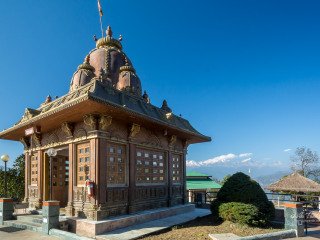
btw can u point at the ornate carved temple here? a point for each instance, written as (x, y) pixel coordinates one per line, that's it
(104, 129)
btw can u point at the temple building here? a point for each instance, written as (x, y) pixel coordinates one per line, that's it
(105, 130)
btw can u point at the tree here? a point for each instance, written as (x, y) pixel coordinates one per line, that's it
(306, 162)
(225, 178)
(240, 188)
(15, 179)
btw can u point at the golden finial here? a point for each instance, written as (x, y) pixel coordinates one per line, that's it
(109, 32)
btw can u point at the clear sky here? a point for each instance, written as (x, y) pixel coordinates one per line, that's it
(246, 73)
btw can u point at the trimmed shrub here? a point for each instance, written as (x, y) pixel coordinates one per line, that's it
(239, 213)
(241, 188)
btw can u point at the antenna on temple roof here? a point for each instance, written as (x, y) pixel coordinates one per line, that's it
(100, 14)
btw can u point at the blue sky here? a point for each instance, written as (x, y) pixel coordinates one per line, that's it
(246, 73)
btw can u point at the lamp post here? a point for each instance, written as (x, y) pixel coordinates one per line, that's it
(5, 158)
(51, 153)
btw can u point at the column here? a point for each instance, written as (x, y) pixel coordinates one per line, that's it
(294, 217)
(6, 209)
(169, 167)
(40, 176)
(50, 213)
(27, 176)
(72, 181)
(132, 176)
(102, 166)
(184, 181)
(45, 161)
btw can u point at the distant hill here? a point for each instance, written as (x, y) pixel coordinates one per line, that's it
(266, 180)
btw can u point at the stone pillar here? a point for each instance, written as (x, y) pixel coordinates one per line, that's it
(50, 213)
(132, 176)
(6, 209)
(169, 167)
(72, 180)
(293, 215)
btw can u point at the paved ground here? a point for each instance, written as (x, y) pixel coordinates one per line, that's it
(140, 230)
(313, 233)
(12, 233)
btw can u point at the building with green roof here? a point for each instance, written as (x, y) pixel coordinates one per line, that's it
(201, 187)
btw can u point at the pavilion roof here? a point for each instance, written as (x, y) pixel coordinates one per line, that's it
(104, 94)
(295, 182)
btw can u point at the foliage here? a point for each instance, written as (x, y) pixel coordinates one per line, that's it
(223, 181)
(239, 213)
(306, 162)
(15, 179)
(242, 189)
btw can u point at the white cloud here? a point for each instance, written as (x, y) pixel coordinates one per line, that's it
(287, 150)
(246, 160)
(222, 159)
(193, 164)
(245, 155)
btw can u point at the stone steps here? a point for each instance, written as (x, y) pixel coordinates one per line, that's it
(30, 218)
(36, 227)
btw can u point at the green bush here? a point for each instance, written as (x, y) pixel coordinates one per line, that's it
(241, 188)
(239, 213)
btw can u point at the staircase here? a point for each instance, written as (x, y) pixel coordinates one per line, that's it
(33, 223)
(29, 222)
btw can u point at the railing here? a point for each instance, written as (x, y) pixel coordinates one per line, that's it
(279, 199)
(201, 198)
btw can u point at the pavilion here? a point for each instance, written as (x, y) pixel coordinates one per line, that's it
(106, 131)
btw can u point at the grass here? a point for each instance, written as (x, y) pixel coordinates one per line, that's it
(200, 228)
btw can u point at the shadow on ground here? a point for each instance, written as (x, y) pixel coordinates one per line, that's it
(10, 229)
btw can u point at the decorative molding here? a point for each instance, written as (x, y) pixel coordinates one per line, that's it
(105, 122)
(68, 128)
(36, 138)
(186, 144)
(91, 121)
(135, 129)
(26, 142)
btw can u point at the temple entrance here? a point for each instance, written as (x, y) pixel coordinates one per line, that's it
(60, 177)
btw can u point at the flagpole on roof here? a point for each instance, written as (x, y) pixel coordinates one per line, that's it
(100, 15)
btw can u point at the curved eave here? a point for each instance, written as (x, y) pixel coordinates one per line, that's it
(91, 97)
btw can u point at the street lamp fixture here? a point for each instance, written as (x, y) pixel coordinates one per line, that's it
(51, 153)
(5, 158)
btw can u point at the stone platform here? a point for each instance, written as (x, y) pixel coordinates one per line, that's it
(88, 228)
(152, 227)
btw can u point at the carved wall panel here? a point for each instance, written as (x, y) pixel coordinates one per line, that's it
(149, 193)
(118, 131)
(116, 196)
(148, 138)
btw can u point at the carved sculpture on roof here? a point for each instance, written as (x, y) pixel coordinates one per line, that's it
(145, 97)
(29, 113)
(165, 107)
(105, 122)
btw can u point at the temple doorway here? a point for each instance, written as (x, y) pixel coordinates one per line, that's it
(60, 176)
